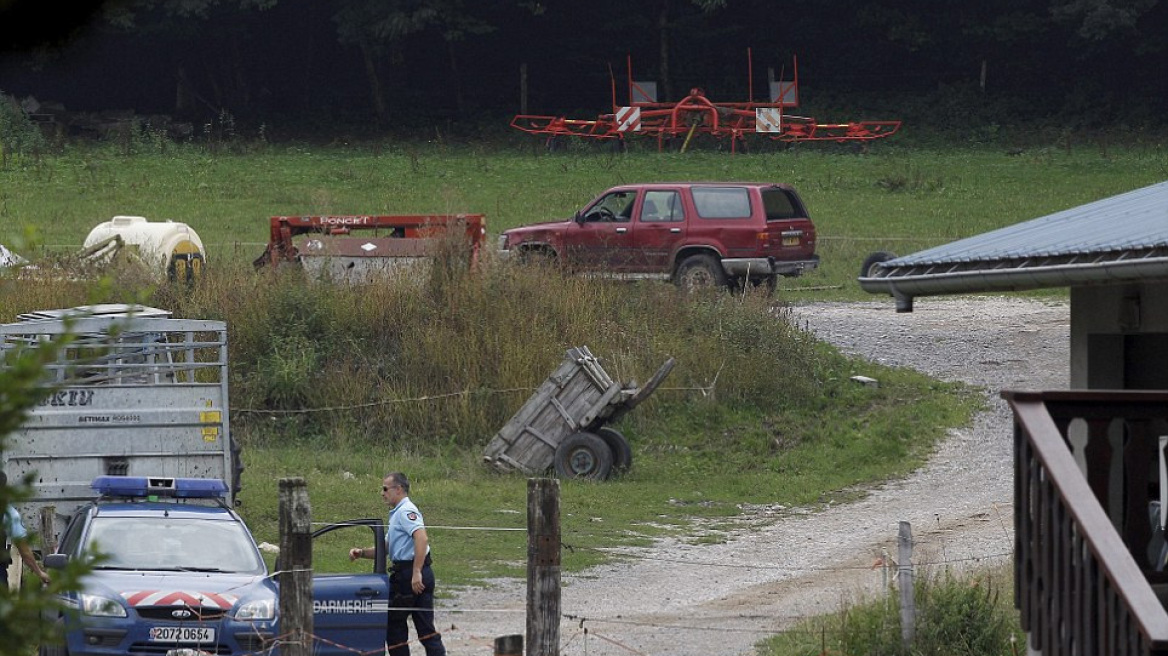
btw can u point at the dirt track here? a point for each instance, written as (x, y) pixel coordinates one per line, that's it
(682, 599)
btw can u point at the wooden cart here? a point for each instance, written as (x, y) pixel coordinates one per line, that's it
(563, 425)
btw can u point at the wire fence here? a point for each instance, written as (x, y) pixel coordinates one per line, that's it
(620, 630)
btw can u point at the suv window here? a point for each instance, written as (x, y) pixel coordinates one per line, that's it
(663, 206)
(617, 206)
(722, 202)
(779, 205)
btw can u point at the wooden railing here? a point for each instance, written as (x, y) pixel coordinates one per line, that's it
(1082, 579)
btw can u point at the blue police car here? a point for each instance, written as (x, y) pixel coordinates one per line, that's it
(180, 573)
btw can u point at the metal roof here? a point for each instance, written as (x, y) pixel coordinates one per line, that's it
(1116, 239)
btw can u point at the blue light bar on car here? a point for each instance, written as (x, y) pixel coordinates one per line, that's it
(159, 486)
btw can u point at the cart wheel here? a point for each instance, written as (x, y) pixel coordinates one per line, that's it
(622, 452)
(583, 455)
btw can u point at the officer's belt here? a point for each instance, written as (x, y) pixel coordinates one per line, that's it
(398, 565)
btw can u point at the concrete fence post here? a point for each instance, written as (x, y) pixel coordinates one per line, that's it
(908, 609)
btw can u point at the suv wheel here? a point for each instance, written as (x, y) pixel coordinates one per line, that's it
(766, 286)
(700, 272)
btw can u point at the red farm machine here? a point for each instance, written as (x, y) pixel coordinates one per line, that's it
(362, 247)
(697, 115)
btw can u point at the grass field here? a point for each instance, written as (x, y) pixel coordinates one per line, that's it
(892, 198)
(763, 439)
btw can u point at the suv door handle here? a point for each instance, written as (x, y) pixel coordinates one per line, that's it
(621, 231)
(675, 230)
(367, 592)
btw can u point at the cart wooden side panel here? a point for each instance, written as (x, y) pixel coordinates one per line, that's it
(575, 396)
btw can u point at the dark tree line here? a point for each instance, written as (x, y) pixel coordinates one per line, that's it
(410, 62)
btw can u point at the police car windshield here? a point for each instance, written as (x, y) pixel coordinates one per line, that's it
(173, 544)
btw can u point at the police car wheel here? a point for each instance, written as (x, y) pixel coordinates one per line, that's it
(622, 452)
(583, 455)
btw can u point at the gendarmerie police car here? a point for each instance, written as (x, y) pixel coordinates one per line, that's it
(181, 574)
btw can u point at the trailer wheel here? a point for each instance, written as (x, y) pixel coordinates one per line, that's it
(868, 268)
(622, 452)
(583, 455)
(700, 272)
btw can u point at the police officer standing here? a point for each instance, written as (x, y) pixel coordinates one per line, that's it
(12, 532)
(411, 577)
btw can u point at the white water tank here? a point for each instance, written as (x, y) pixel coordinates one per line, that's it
(170, 248)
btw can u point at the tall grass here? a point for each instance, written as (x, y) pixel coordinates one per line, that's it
(957, 615)
(449, 358)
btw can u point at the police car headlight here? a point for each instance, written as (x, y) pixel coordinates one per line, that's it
(96, 606)
(259, 609)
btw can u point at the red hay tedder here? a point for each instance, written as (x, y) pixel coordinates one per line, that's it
(698, 115)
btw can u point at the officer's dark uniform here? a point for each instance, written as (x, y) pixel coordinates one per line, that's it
(404, 519)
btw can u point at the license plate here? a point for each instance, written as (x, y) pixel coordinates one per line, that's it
(790, 241)
(196, 634)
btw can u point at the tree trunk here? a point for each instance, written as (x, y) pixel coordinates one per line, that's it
(242, 88)
(663, 53)
(455, 79)
(307, 78)
(182, 93)
(375, 90)
(217, 100)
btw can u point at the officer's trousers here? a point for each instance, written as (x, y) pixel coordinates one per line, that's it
(421, 610)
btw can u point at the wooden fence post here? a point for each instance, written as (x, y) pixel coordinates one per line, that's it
(509, 645)
(908, 609)
(543, 567)
(48, 538)
(295, 576)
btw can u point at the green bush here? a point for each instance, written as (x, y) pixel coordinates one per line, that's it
(18, 135)
(956, 616)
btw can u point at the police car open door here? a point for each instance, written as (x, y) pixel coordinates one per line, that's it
(349, 609)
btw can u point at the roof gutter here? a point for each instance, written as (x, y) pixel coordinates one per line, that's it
(905, 286)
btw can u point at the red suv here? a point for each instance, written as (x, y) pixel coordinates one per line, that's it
(721, 234)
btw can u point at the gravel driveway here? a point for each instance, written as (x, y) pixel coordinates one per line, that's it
(682, 599)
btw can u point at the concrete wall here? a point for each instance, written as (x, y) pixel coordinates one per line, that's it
(1119, 336)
